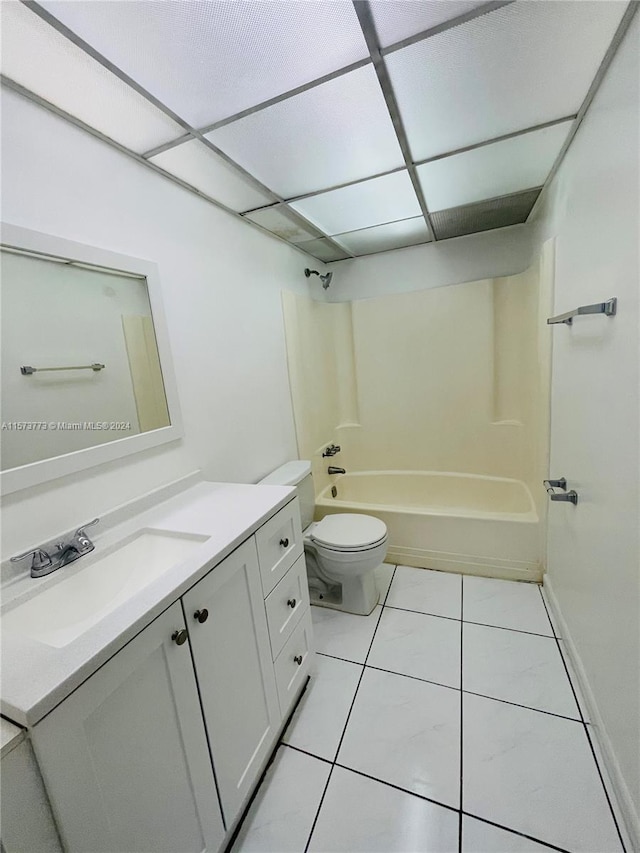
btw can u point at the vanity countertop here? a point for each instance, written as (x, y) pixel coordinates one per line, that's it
(36, 677)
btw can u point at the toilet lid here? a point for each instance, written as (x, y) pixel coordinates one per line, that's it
(349, 531)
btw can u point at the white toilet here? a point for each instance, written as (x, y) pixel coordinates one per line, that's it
(341, 551)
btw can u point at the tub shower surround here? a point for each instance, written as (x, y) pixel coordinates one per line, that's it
(439, 401)
(452, 522)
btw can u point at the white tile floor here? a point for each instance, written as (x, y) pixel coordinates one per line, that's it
(444, 721)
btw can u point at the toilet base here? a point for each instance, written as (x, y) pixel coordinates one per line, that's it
(358, 595)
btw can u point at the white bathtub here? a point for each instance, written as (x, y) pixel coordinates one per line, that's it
(453, 522)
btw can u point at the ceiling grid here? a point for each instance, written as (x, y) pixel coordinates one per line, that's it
(363, 11)
(343, 128)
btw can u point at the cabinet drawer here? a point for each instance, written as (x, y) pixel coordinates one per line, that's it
(279, 545)
(285, 605)
(293, 662)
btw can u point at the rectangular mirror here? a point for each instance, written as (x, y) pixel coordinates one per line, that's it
(86, 372)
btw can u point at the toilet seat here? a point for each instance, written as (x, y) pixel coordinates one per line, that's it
(348, 532)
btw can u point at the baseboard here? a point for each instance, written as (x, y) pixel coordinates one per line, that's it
(622, 801)
(443, 561)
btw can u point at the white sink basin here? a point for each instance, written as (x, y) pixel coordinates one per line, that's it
(62, 612)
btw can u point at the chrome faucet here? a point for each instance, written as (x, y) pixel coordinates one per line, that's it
(333, 470)
(54, 555)
(331, 450)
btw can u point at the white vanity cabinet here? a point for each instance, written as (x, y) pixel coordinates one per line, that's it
(26, 819)
(235, 674)
(286, 590)
(161, 748)
(125, 757)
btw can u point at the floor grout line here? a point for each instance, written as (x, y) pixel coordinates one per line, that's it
(423, 613)
(472, 622)
(585, 726)
(460, 810)
(514, 630)
(525, 707)
(355, 695)
(548, 844)
(398, 788)
(442, 805)
(306, 752)
(468, 692)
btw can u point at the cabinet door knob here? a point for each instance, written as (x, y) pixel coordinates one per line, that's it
(201, 615)
(284, 543)
(298, 659)
(180, 637)
(292, 603)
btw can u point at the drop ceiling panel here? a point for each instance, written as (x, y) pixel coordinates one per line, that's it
(204, 169)
(42, 60)
(484, 215)
(398, 19)
(392, 235)
(493, 170)
(323, 250)
(289, 227)
(522, 65)
(335, 133)
(209, 60)
(373, 202)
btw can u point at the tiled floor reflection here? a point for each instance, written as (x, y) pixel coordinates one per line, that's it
(444, 721)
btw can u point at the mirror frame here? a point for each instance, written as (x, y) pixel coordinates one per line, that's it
(35, 473)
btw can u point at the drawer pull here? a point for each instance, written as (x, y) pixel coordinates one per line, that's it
(284, 543)
(292, 603)
(201, 615)
(179, 637)
(298, 659)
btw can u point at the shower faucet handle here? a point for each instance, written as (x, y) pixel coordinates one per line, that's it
(331, 450)
(555, 484)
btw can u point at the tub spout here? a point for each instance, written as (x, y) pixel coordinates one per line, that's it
(332, 470)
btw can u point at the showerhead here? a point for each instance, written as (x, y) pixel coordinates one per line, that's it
(325, 279)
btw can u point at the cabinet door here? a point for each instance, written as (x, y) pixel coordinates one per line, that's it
(235, 674)
(125, 757)
(27, 822)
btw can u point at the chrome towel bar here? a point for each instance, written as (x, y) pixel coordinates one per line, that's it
(608, 308)
(27, 370)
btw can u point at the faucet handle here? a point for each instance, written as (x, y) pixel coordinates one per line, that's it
(81, 538)
(82, 528)
(40, 558)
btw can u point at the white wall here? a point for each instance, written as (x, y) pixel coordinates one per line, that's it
(593, 555)
(221, 283)
(477, 256)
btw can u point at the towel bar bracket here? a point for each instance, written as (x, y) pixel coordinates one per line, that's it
(607, 308)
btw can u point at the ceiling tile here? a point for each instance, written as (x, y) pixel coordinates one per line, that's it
(392, 235)
(373, 202)
(209, 60)
(288, 226)
(522, 65)
(204, 169)
(493, 170)
(484, 215)
(332, 134)
(323, 250)
(48, 64)
(398, 19)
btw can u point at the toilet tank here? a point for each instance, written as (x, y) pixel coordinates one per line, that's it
(296, 474)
